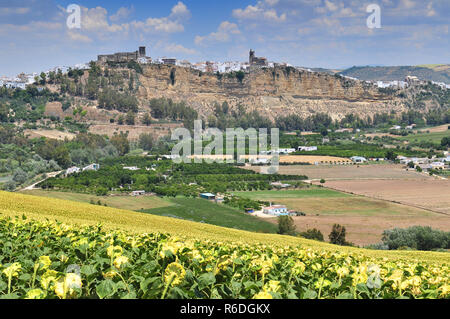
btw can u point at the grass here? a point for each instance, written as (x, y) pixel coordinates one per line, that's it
(200, 210)
(39, 208)
(435, 137)
(313, 192)
(324, 201)
(351, 206)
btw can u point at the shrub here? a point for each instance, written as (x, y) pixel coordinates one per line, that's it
(101, 191)
(337, 235)
(286, 225)
(9, 186)
(313, 234)
(417, 237)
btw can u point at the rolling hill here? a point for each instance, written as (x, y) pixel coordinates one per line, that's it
(432, 72)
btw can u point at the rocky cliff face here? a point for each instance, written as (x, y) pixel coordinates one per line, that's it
(273, 92)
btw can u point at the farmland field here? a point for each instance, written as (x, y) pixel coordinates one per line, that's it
(122, 202)
(116, 265)
(427, 194)
(365, 218)
(134, 131)
(304, 158)
(343, 172)
(435, 129)
(153, 257)
(433, 137)
(200, 210)
(312, 159)
(192, 209)
(52, 134)
(39, 208)
(315, 192)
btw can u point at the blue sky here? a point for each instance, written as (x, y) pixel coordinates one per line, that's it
(314, 33)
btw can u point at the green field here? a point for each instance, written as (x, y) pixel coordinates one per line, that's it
(314, 192)
(323, 201)
(203, 211)
(435, 137)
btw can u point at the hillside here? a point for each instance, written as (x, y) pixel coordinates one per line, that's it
(102, 95)
(39, 208)
(437, 73)
(281, 90)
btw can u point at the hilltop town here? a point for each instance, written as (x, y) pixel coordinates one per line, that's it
(23, 80)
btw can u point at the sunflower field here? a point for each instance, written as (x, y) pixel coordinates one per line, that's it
(40, 260)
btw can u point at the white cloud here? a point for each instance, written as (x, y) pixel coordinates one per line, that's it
(7, 11)
(430, 11)
(224, 33)
(330, 6)
(95, 23)
(180, 11)
(122, 14)
(158, 25)
(259, 12)
(407, 4)
(77, 37)
(178, 48)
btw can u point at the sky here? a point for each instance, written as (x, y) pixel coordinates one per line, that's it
(34, 34)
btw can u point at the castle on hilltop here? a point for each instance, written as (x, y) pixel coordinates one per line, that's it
(256, 61)
(124, 57)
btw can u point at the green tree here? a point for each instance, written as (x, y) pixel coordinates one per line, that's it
(337, 235)
(445, 141)
(286, 225)
(4, 112)
(313, 234)
(147, 120)
(20, 176)
(121, 143)
(146, 141)
(390, 155)
(131, 117)
(43, 78)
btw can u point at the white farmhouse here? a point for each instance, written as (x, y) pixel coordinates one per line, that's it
(358, 159)
(307, 148)
(73, 170)
(92, 167)
(131, 168)
(276, 210)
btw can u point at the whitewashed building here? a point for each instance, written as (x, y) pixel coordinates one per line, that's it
(307, 148)
(276, 210)
(73, 170)
(92, 167)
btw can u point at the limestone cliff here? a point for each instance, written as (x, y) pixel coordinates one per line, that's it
(271, 91)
